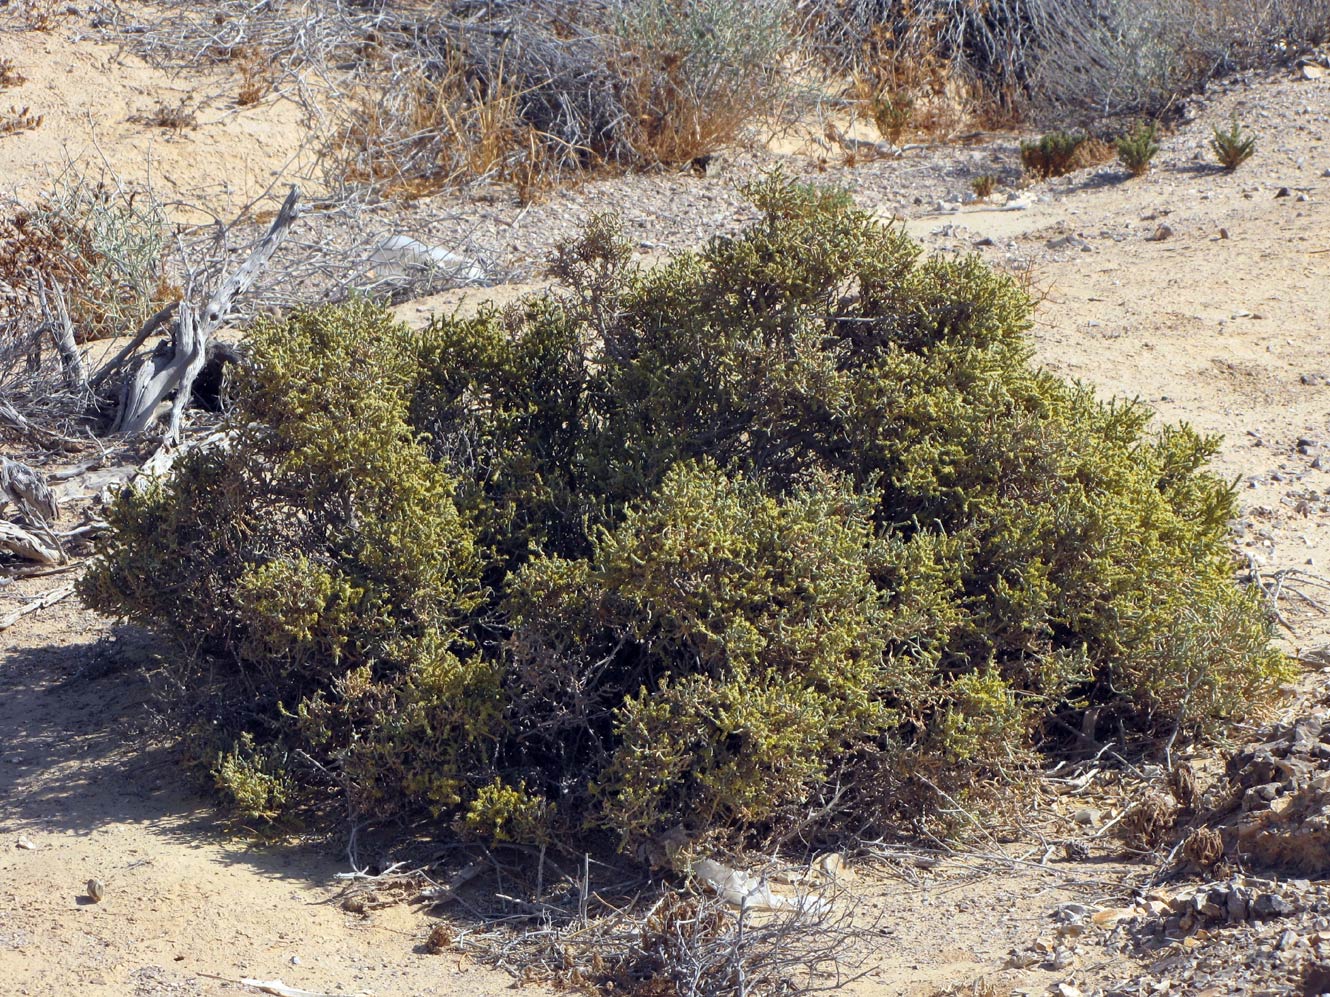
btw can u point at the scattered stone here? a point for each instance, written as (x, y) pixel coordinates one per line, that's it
(1160, 234)
(1271, 905)
(1086, 817)
(26, 844)
(1282, 786)
(1283, 192)
(1070, 242)
(96, 890)
(1311, 72)
(1315, 380)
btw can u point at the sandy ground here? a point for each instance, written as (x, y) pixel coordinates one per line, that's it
(1225, 324)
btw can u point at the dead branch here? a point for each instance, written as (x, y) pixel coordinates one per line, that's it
(62, 332)
(148, 328)
(28, 490)
(172, 370)
(42, 602)
(29, 546)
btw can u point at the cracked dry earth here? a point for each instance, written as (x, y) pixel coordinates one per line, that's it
(1224, 323)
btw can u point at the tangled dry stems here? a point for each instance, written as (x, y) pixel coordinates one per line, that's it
(1058, 62)
(660, 941)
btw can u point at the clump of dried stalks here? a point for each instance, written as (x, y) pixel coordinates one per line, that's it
(415, 99)
(1059, 61)
(687, 945)
(633, 936)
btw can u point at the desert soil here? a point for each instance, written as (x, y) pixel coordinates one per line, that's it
(1204, 294)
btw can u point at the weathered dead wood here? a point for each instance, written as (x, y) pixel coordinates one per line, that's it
(62, 332)
(141, 337)
(174, 369)
(18, 423)
(42, 602)
(27, 545)
(28, 490)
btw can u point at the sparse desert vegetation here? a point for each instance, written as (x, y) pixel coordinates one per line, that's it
(1138, 148)
(1232, 147)
(679, 491)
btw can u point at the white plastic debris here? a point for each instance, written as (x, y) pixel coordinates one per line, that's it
(280, 989)
(400, 255)
(747, 892)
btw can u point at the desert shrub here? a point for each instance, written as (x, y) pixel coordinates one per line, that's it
(984, 186)
(1233, 147)
(1060, 61)
(103, 246)
(526, 92)
(785, 533)
(1137, 148)
(1053, 155)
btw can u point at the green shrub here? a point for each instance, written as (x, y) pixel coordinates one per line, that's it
(784, 532)
(1054, 155)
(1233, 147)
(1137, 148)
(984, 186)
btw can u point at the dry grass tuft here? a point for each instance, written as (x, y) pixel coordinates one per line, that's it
(1203, 848)
(1149, 823)
(20, 119)
(256, 75)
(177, 117)
(9, 74)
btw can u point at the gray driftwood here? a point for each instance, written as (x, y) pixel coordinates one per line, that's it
(41, 602)
(173, 369)
(28, 545)
(28, 490)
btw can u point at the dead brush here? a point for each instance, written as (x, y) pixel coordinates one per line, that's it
(40, 15)
(9, 74)
(105, 246)
(1063, 61)
(20, 119)
(418, 132)
(890, 110)
(681, 944)
(1203, 848)
(256, 75)
(176, 117)
(1149, 823)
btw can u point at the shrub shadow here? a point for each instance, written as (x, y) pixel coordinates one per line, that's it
(80, 753)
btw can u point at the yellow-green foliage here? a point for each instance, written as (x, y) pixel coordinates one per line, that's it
(1233, 147)
(1053, 155)
(785, 527)
(500, 813)
(253, 780)
(1138, 147)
